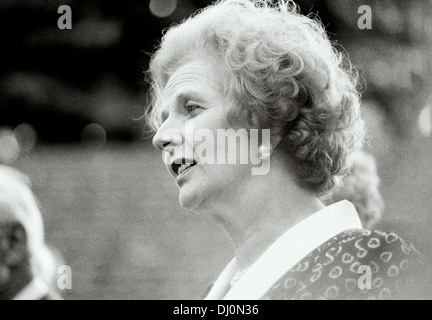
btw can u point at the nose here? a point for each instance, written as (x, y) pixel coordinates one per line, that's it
(167, 137)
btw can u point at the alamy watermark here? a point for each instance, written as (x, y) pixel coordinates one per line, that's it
(64, 279)
(365, 281)
(228, 147)
(365, 20)
(65, 20)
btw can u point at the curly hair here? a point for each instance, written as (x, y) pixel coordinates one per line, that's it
(361, 187)
(17, 196)
(282, 72)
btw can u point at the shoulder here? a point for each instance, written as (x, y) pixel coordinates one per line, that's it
(365, 247)
(356, 264)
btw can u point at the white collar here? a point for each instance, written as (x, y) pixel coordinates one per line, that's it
(286, 252)
(35, 290)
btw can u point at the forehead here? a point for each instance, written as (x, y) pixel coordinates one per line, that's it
(7, 212)
(197, 76)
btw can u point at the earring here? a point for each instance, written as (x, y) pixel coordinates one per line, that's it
(264, 152)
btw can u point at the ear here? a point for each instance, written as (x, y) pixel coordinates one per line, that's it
(13, 240)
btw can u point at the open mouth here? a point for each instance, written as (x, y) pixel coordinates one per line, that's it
(185, 164)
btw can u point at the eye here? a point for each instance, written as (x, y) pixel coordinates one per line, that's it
(192, 107)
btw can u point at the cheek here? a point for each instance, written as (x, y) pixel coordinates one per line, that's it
(213, 178)
(213, 183)
(211, 119)
(233, 150)
(226, 177)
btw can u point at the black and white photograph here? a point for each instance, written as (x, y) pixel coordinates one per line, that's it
(215, 150)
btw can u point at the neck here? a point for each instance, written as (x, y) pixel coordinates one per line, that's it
(264, 209)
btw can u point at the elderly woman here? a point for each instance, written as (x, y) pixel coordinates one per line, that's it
(260, 67)
(361, 187)
(27, 265)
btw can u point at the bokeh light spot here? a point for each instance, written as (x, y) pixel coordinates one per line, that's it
(94, 135)
(162, 8)
(9, 147)
(425, 121)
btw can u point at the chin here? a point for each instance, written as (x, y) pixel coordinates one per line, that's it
(191, 199)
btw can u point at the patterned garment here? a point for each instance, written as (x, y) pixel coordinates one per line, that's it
(339, 268)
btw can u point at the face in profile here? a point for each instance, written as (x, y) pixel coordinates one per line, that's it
(193, 99)
(15, 270)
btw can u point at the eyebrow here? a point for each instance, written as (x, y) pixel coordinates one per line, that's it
(180, 98)
(188, 95)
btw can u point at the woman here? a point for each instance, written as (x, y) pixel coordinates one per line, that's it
(27, 265)
(252, 66)
(361, 187)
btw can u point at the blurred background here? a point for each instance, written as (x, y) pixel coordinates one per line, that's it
(71, 101)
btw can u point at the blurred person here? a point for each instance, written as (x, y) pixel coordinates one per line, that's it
(361, 187)
(26, 263)
(241, 64)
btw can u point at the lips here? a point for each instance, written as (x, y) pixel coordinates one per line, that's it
(178, 167)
